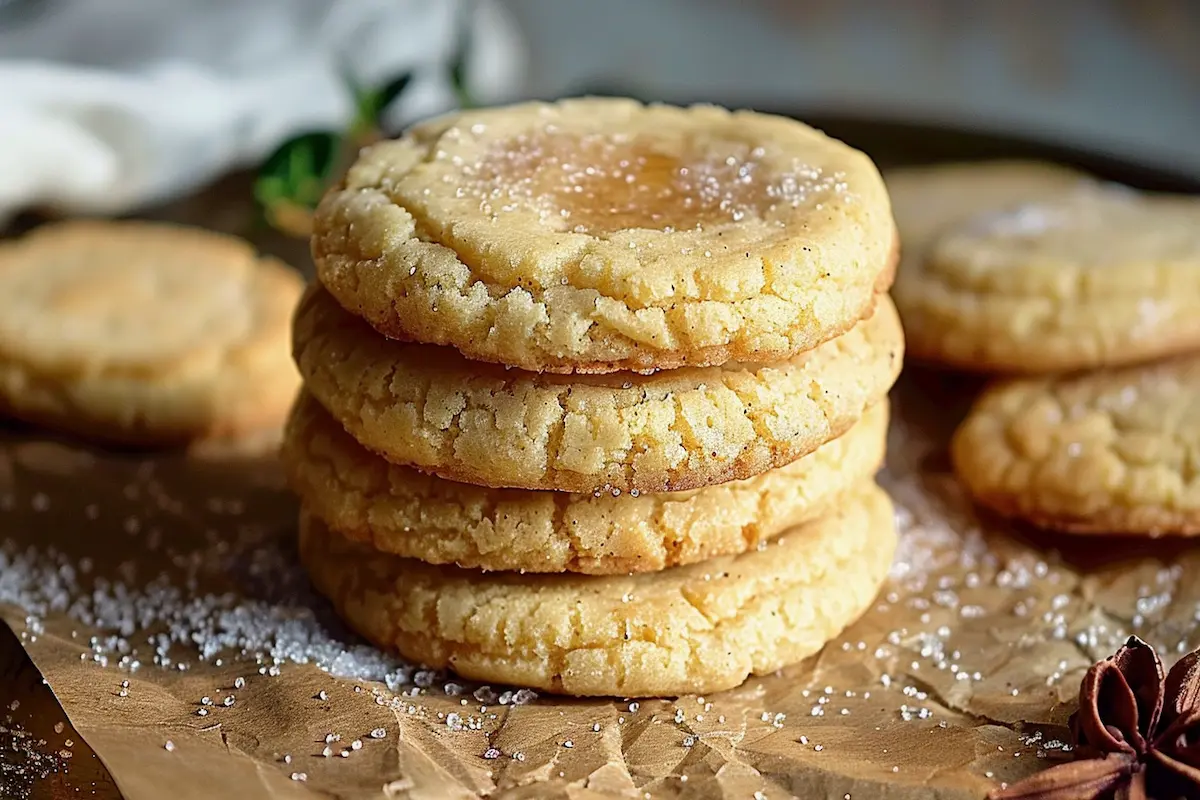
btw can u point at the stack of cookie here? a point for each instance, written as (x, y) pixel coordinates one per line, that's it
(1089, 291)
(596, 393)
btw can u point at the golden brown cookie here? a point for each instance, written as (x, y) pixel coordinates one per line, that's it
(596, 235)
(700, 628)
(145, 333)
(399, 510)
(928, 201)
(428, 407)
(1110, 452)
(1040, 270)
(1097, 277)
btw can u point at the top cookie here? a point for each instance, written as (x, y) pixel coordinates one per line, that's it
(145, 333)
(1100, 276)
(598, 235)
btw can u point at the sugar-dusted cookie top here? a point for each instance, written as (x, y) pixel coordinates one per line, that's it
(1097, 241)
(595, 235)
(1107, 452)
(141, 331)
(927, 200)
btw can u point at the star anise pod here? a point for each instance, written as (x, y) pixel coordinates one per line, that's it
(1136, 734)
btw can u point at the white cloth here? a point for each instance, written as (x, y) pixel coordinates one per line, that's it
(106, 105)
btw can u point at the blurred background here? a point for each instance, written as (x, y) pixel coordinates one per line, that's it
(106, 105)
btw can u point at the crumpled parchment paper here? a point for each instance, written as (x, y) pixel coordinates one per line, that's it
(960, 677)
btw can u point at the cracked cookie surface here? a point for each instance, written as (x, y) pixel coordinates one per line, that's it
(1081, 278)
(145, 333)
(695, 629)
(399, 510)
(427, 407)
(596, 235)
(1110, 452)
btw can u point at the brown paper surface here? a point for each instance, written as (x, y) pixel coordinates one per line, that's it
(960, 677)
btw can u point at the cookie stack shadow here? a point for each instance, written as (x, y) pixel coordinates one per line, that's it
(476, 500)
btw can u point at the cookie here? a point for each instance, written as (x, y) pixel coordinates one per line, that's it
(1097, 277)
(929, 200)
(1109, 452)
(597, 235)
(145, 334)
(426, 406)
(399, 510)
(694, 629)
(1080, 275)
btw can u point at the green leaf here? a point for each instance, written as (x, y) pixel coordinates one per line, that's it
(298, 171)
(391, 91)
(369, 105)
(458, 66)
(458, 83)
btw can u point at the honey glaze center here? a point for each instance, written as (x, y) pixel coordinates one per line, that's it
(602, 184)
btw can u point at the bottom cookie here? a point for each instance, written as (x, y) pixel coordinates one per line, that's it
(694, 629)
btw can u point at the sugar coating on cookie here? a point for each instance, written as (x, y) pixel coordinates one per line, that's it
(1110, 452)
(145, 333)
(1080, 277)
(426, 406)
(1095, 242)
(928, 200)
(596, 235)
(695, 629)
(399, 510)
